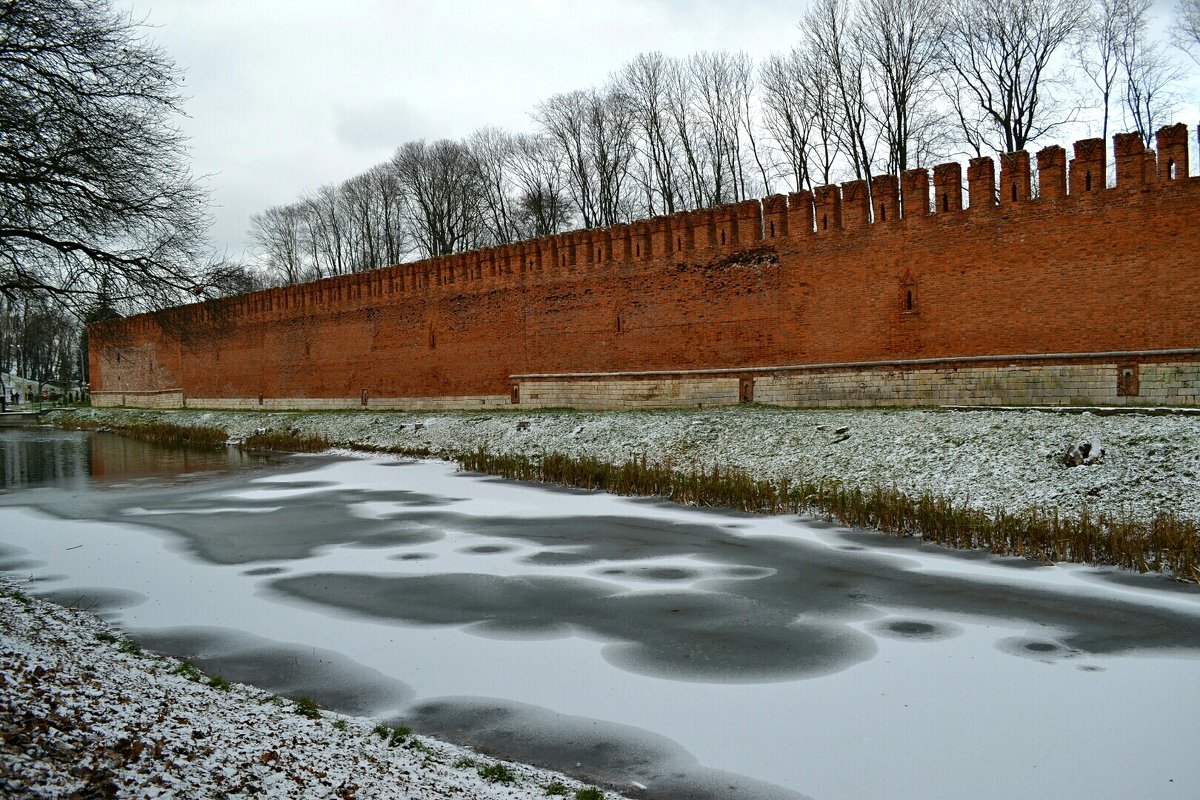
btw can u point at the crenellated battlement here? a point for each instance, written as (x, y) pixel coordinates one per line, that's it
(852, 208)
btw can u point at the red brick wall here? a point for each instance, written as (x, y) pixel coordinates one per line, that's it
(1088, 271)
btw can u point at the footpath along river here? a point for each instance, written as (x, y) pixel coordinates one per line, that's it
(694, 653)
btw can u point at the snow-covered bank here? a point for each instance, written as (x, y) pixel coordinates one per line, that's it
(991, 459)
(85, 713)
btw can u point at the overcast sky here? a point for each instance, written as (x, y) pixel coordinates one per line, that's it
(285, 95)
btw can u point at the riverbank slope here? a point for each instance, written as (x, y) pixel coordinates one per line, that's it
(995, 459)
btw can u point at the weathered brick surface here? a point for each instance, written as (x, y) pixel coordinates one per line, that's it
(1086, 272)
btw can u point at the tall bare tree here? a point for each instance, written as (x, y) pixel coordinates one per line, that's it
(95, 194)
(278, 234)
(593, 131)
(786, 115)
(826, 32)
(440, 186)
(1187, 27)
(1098, 50)
(491, 150)
(542, 198)
(1149, 71)
(1000, 55)
(645, 82)
(900, 42)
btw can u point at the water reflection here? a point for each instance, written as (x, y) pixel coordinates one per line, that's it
(50, 457)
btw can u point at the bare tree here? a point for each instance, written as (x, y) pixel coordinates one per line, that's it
(1098, 50)
(681, 107)
(1000, 57)
(721, 83)
(440, 186)
(786, 115)
(492, 152)
(826, 31)
(278, 235)
(645, 81)
(563, 120)
(543, 203)
(1149, 71)
(593, 131)
(95, 195)
(900, 42)
(390, 213)
(1187, 28)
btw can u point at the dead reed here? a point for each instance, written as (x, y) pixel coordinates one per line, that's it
(160, 433)
(286, 441)
(1166, 543)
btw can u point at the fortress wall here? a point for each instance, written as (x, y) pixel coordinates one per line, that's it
(841, 275)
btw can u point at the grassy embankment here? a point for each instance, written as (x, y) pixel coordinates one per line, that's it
(1167, 543)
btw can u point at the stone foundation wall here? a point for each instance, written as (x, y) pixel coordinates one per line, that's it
(1101, 384)
(1034, 385)
(1112, 384)
(628, 393)
(162, 399)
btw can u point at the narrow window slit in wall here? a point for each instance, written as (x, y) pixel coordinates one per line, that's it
(945, 202)
(882, 213)
(908, 300)
(772, 230)
(722, 236)
(1171, 170)
(637, 250)
(679, 243)
(1014, 192)
(599, 255)
(1087, 181)
(824, 222)
(618, 323)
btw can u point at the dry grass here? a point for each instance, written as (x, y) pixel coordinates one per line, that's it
(287, 441)
(162, 433)
(1166, 543)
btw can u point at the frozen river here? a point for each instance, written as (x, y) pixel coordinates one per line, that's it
(696, 654)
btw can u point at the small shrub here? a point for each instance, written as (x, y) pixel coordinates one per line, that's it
(394, 735)
(106, 637)
(307, 707)
(418, 746)
(462, 762)
(217, 682)
(497, 773)
(19, 596)
(188, 670)
(590, 793)
(556, 788)
(339, 724)
(129, 647)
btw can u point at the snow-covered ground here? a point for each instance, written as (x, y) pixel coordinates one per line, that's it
(85, 714)
(1010, 459)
